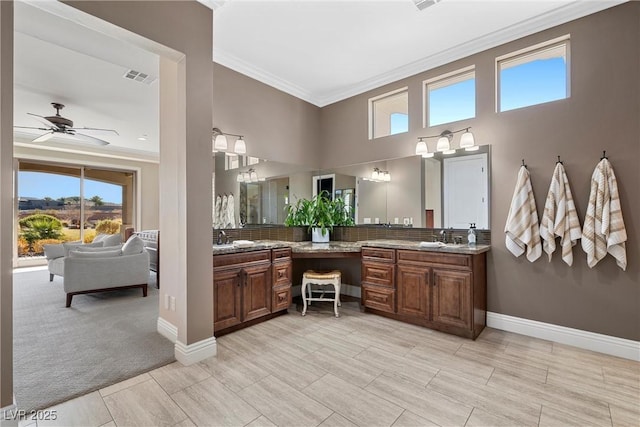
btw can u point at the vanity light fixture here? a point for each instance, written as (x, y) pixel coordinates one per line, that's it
(444, 142)
(249, 176)
(220, 141)
(380, 176)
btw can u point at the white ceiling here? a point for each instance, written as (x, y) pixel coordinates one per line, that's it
(319, 51)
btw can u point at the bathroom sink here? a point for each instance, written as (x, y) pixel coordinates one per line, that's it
(243, 243)
(225, 246)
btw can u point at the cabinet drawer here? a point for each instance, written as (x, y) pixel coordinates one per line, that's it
(246, 258)
(282, 254)
(379, 298)
(378, 273)
(435, 259)
(281, 273)
(281, 299)
(379, 254)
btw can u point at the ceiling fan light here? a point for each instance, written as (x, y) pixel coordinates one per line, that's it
(443, 144)
(240, 147)
(220, 142)
(467, 140)
(421, 148)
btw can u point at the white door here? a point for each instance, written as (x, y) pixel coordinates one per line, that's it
(465, 192)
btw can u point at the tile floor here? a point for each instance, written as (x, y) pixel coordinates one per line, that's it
(366, 370)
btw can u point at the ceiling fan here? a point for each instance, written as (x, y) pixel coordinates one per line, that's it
(58, 125)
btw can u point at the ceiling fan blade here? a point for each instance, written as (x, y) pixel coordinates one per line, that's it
(45, 137)
(89, 139)
(30, 127)
(44, 121)
(96, 130)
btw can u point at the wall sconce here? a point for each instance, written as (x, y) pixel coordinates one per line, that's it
(249, 176)
(444, 143)
(220, 141)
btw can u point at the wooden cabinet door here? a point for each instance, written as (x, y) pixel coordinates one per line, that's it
(412, 286)
(257, 291)
(452, 297)
(226, 298)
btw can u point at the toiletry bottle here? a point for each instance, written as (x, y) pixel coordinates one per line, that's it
(471, 234)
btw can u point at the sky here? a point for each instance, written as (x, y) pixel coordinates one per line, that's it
(41, 185)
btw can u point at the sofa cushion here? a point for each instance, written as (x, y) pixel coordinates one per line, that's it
(101, 254)
(56, 266)
(53, 251)
(134, 245)
(85, 248)
(71, 245)
(108, 239)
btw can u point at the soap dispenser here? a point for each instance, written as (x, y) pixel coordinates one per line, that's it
(471, 234)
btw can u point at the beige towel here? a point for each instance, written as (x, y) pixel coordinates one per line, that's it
(522, 222)
(604, 229)
(560, 218)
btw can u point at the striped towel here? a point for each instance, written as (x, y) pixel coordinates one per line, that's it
(522, 222)
(604, 229)
(560, 218)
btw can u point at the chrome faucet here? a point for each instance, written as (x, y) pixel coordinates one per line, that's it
(443, 236)
(222, 234)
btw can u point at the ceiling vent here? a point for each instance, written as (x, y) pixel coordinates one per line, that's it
(423, 4)
(139, 77)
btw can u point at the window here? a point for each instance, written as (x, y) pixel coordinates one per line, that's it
(533, 76)
(451, 97)
(389, 113)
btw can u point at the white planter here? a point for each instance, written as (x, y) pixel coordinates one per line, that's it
(317, 237)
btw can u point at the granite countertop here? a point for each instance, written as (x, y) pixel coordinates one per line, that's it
(338, 246)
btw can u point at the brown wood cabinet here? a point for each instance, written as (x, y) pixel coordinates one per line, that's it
(248, 288)
(440, 290)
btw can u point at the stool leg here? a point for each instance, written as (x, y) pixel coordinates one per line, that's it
(304, 297)
(310, 292)
(336, 299)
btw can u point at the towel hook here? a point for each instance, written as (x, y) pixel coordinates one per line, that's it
(523, 163)
(559, 161)
(604, 155)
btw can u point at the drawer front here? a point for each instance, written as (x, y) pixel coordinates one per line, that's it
(379, 254)
(281, 254)
(459, 261)
(378, 273)
(379, 298)
(281, 299)
(247, 258)
(282, 273)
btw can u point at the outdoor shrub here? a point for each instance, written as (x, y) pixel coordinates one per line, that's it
(108, 226)
(89, 235)
(40, 219)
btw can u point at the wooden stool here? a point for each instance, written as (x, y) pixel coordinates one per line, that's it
(328, 278)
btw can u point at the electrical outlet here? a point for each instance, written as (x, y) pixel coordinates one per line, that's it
(166, 301)
(173, 303)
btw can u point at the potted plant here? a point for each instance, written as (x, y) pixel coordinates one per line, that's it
(319, 214)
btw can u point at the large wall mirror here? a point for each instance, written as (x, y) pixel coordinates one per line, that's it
(445, 191)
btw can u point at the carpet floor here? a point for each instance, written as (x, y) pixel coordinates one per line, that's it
(103, 338)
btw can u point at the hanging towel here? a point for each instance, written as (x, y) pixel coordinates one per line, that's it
(604, 229)
(560, 218)
(231, 212)
(223, 212)
(216, 213)
(522, 222)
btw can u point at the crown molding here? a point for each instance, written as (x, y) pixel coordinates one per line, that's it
(544, 21)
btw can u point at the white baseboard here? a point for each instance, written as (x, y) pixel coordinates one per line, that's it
(614, 346)
(194, 353)
(9, 415)
(167, 330)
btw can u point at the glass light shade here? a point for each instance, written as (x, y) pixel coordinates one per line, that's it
(421, 148)
(220, 142)
(240, 147)
(246, 177)
(449, 152)
(466, 140)
(427, 155)
(387, 176)
(240, 178)
(443, 144)
(254, 176)
(375, 175)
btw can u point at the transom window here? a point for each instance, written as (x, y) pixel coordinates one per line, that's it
(534, 75)
(389, 113)
(450, 97)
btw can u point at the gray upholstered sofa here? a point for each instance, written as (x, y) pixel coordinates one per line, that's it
(92, 268)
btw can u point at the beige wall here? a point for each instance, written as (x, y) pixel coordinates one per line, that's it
(602, 114)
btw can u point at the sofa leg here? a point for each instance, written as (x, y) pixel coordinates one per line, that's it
(50, 277)
(144, 290)
(69, 298)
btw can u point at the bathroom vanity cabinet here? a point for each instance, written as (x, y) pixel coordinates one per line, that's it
(440, 290)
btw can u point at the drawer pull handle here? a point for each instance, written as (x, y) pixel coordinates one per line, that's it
(281, 298)
(281, 274)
